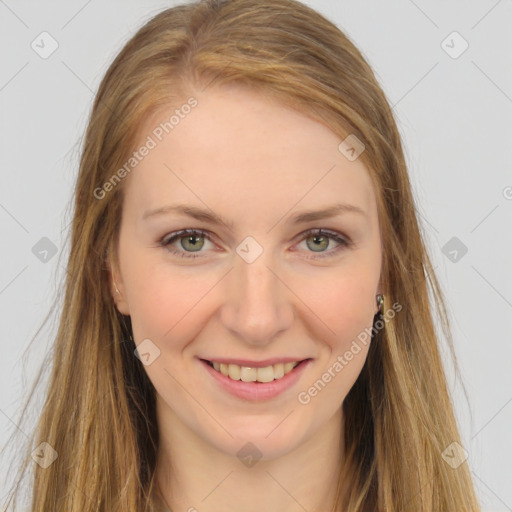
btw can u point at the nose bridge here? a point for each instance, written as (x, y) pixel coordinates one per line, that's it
(256, 306)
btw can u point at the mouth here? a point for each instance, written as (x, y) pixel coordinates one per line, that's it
(257, 374)
(255, 383)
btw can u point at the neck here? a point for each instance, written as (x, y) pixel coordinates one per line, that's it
(194, 476)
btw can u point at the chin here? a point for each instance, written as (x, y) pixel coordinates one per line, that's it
(264, 439)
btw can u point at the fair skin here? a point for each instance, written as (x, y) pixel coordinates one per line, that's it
(257, 164)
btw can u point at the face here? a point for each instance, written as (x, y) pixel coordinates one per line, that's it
(263, 286)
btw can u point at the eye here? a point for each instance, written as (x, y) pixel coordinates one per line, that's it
(320, 239)
(190, 239)
(191, 242)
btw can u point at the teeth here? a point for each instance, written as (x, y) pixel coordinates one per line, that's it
(248, 374)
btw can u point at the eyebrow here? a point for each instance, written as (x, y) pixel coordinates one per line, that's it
(213, 218)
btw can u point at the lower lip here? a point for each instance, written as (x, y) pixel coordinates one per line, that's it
(258, 390)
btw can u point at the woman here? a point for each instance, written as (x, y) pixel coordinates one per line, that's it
(246, 324)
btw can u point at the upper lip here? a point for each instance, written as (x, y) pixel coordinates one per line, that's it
(256, 364)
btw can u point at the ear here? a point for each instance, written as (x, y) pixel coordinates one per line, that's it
(380, 290)
(117, 288)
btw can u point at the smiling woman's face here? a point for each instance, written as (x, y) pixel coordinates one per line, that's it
(259, 288)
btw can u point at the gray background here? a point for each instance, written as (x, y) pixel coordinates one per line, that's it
(454, 112)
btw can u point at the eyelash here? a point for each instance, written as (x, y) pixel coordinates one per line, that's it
(167, 241)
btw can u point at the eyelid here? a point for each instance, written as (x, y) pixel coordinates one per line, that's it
(343, 241)
(170, 238)
(183, 232)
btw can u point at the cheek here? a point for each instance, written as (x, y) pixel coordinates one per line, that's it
(165, 303)
(165, 308)
(345, 306)
(158, 307)
(345, 301)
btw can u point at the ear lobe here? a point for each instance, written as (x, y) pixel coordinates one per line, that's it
(380, 291)
(119, 297)
(113, 279)
(116, 293)
(117, 289)
(378, 296)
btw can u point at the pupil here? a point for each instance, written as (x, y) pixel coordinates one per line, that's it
(193, 240)
(318, 240)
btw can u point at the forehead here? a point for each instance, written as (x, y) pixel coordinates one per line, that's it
(239, 152)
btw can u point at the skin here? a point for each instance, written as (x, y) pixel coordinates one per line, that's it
(256, 163)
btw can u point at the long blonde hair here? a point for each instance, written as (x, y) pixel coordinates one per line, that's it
(99, 410)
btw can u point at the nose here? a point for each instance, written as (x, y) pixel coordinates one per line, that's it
(258, 303)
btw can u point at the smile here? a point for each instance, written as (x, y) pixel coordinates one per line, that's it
(243, 381)
(252, 374)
